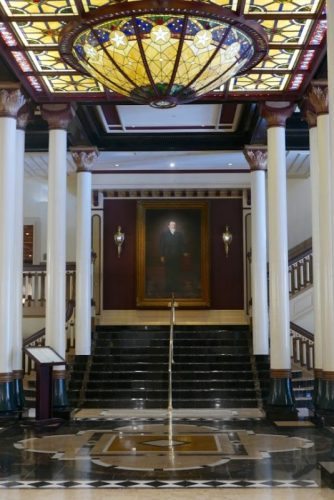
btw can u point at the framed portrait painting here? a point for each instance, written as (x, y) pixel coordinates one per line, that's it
(172, 253)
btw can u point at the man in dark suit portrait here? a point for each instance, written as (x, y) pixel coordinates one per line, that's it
(172, 248)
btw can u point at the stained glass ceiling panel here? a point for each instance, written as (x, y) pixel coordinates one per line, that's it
(30, 29)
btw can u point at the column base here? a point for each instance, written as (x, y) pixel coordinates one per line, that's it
(7, 395)
(318, 388)
(280, 404)
(326, 402)
(18, 389)
(60, 403)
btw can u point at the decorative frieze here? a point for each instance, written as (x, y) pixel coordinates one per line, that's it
(167, 194)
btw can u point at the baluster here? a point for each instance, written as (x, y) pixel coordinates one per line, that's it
(290, 281)
(43, 278)
(307, 270)
(303, 360)
(296, 277)
(301, 274)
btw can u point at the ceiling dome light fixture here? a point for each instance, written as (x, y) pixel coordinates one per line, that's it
(163, 52)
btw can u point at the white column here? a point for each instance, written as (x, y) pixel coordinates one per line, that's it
(257, 158)
(281, 403)
(84, 159)
(56, 243)
(315, 178)
(58, 118)
(10, 102)
(22, 121)
(278, 250)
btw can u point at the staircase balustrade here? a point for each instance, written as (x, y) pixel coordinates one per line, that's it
(300, 273)
(34, 285)
(302, 346)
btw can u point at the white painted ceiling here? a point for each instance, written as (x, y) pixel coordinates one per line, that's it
(298, 162)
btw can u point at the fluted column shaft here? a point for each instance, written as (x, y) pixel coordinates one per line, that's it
(84, 159)
(257, 159)
(11, 101)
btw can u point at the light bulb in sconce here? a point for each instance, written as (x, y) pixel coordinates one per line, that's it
(227, 239)
(119, 238)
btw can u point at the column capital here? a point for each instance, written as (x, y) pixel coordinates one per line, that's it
(24, 116)
(308, 114)
(11, 99)
(256, 157)
(318, 97)
(84, 157)
(58, 116)
(276, 112)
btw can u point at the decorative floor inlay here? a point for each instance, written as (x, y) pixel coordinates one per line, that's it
(162, 453)
(157, 484)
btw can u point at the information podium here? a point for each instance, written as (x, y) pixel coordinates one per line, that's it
(45, 359)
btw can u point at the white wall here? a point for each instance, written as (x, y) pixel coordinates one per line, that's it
(299, 211)
(35, 212)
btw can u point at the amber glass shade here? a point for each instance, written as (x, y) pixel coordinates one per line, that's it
(163, 53)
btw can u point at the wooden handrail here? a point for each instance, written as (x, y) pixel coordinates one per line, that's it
(301, 331)
(299, 251)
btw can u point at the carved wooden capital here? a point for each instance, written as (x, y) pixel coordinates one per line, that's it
(11, 100)
(276, 112)
(318, 98)
(84, 157)
(256, 157)
(24, 116)
(58, 116)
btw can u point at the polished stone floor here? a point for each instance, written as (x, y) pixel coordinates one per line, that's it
(108, 450)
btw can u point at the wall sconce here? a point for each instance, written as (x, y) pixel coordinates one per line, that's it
(227, 239)
(119, 238)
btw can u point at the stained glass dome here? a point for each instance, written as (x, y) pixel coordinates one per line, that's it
(164, 52)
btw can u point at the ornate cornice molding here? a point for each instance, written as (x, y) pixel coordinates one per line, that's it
(84, 157)
(318, 98)
(276, 112)
(257, 157)
(58, 116)
(11, 100)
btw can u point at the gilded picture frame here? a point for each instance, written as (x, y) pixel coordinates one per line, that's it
(183, 272)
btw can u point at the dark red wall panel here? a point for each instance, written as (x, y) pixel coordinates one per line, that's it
(119, 274)
(226, 273)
